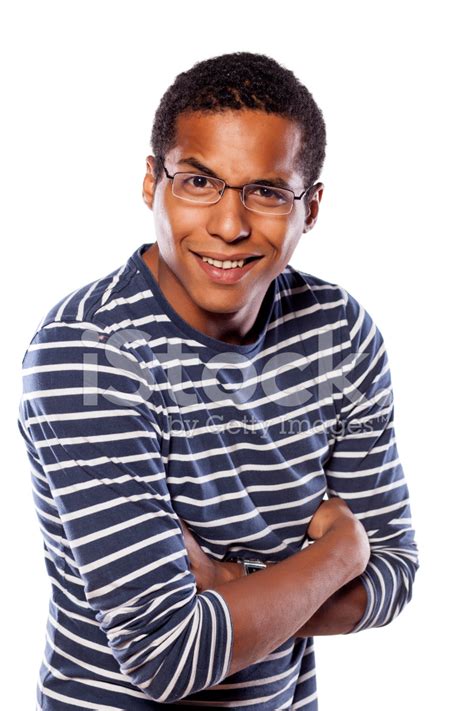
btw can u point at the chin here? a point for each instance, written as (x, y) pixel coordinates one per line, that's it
(219, 305)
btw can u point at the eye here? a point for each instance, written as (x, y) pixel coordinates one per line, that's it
(192, 186)
(264, 192)
(197, 181)
(265, 195)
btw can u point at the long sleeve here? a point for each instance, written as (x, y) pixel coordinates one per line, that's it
(94, 423)
(365, 470)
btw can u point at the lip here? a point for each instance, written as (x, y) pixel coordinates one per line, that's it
(224, 257)
(224, 276)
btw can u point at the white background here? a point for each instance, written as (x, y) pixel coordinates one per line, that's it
(394, 80)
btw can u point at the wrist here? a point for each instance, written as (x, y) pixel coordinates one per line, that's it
(228, 571)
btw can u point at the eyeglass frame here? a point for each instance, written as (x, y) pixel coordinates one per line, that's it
(240, 188)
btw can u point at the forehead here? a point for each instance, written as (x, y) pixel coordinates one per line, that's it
(239, 145)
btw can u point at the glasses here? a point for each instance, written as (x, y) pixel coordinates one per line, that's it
(207, 190)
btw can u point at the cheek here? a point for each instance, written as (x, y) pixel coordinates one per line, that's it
(283, 236)
(172, 223)
(183, 218)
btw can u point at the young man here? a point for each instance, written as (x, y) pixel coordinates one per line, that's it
(185, 415)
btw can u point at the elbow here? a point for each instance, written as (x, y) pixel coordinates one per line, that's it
(388, 580)
(406, 590)
(157, 692)
(158, 687)
(400, 592)
(168, 683)
(172, 655)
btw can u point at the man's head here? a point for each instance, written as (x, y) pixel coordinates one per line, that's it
(237, 81)
(245, 119)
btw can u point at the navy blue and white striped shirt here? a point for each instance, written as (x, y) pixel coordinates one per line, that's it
(134, 419)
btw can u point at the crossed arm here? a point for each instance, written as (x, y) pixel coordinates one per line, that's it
(105, 485)
(365, 471)
(339, 614)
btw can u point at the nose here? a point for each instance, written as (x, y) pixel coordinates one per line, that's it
(229, 218)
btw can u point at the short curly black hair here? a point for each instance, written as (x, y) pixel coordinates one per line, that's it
(243, 80)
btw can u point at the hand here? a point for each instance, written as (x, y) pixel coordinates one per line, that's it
(334, 513)
(207, 571)
(328, 513)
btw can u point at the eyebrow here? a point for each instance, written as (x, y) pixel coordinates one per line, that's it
(272, 182)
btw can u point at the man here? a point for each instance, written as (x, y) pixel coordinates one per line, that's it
(185, 415)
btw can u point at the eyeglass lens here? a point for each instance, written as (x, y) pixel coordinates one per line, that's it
(206, 189)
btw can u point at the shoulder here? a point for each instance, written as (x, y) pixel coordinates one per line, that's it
(317, 303)
(103, 310)
(106, 303)
(89, 303)
(299, 290)
(86, 342)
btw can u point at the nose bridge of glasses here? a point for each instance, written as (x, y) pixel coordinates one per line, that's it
(235, 188)
(229, 216)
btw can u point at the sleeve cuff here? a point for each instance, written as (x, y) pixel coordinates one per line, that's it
(225, 621)
(365, 621)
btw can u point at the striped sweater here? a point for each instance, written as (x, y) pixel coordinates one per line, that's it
(133, 419)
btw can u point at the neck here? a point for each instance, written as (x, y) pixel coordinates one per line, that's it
(233, 328)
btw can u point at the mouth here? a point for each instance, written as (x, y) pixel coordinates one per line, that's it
(226, 272)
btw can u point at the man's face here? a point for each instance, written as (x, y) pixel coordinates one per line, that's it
(241, 147)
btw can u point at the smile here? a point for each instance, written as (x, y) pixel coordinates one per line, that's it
(225, 272)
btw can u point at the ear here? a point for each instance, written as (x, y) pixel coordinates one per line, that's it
(315, 195)
(149, 182)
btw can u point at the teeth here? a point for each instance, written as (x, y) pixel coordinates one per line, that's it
(224, 265)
